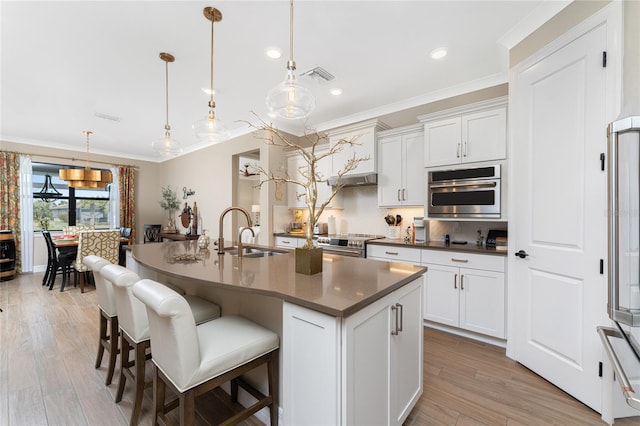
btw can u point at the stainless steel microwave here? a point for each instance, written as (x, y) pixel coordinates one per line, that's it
(464, 193)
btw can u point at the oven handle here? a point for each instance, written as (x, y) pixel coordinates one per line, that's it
(341, 252)
(465, 185)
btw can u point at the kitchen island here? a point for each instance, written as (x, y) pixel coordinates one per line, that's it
(351, 336)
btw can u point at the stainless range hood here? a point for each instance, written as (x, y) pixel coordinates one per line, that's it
(356, 179)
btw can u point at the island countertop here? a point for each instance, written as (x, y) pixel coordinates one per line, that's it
(345, 286)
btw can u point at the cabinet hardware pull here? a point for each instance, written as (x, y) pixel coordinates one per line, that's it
(286, 242)
(464, 151)
(394, 253)
(455, 281)
(398, 196)
(458, 150)
(400, 308)
(404, 194)
(453, 259)
(462, 282)
(394, 331)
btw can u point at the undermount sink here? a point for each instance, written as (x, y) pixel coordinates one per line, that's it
(253, 252)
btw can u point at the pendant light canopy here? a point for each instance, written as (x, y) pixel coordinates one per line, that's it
(86, 178)
(211, 129)
(166, 146)
(289, 99)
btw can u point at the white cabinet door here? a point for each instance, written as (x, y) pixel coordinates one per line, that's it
(365, 147)
(484, 136)
(414, 184)
(467, 137)
(295, 193)
(441, 296)
(383, 371)
(390, 173)
(442, 142)
(407, 353)
(323, 168)
(482, 302)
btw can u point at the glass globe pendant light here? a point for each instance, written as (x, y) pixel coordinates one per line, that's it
(289, 99)
(211, 129)
(166, 146)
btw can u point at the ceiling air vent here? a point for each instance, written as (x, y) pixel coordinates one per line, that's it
(319, 74)
(107, 117)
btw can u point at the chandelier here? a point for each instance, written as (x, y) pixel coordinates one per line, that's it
(86, 178)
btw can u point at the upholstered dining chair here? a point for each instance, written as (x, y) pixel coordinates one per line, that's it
(56, 263)
(134, 330)
(193, 359)
(108, 320)
(103, 243)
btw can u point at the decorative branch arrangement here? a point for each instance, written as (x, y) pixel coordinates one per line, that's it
(309, 178)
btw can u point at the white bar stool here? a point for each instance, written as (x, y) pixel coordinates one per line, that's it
(192, 360)
(108, 315)
(134, 330)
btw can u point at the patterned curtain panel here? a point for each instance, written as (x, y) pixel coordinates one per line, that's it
(10, 198)
(127, 187)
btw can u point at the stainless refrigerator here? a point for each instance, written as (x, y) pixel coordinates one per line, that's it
(623, 305)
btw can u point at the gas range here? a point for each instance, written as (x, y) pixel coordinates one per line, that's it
(353, 245)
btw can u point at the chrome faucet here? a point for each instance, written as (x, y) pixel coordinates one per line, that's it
(244, 228)
(220, 227)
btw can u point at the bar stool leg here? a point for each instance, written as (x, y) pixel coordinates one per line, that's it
(101, 338)
(140, 361)
(113, 348)
(125, 348)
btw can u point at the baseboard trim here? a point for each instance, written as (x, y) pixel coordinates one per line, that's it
(469, 334)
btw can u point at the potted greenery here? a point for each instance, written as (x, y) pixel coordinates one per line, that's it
(169, 202)
(308, 257)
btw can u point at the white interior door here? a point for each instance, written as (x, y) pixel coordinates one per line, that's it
(559, 197)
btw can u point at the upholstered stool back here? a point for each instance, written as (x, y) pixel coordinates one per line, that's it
(104, 290)
(178, 352)
(132, 313)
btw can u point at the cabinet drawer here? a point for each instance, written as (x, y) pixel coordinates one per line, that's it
(400, 254)
(464, 260)
(289, 242)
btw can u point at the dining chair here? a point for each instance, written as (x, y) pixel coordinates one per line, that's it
(56, 263)
(134, 330)
(151, 233)
(193, 359)
(103, 243)
(108, 315)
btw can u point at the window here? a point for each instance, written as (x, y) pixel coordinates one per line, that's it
(56, 205)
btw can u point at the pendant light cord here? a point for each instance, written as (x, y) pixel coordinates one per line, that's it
(87, 133)
(166, 94)
(291, 30)
(211, 76)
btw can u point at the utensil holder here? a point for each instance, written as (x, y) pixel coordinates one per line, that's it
(394, 232)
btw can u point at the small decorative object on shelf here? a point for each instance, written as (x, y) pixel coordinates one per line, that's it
(169, 202)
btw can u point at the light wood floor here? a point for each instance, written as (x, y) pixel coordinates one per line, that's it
(48, 343)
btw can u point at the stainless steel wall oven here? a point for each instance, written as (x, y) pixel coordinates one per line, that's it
(461, 193)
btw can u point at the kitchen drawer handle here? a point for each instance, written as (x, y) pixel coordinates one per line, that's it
(455, 281)
(458, 150)
(398, 196)
(393, 253)
(462, 282)
(453, 259)
(286, 242)
(404, 194)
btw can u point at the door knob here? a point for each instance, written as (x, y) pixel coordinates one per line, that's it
(522, 254)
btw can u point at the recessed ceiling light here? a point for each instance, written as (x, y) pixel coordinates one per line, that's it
(273, 52)
(336, 91)
(439, 53)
